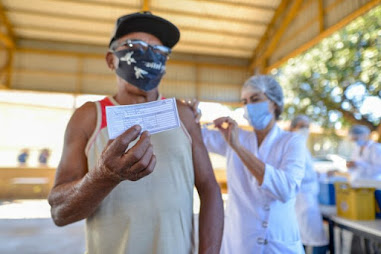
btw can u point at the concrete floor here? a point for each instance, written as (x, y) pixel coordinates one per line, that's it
(40, 236)
(26, 227)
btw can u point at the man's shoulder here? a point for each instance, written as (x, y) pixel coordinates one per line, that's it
(85, 118)
(182, 106)
(87, 110)
(186, 114)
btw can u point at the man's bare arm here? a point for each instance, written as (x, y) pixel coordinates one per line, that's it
(211, 211)
(78, 191)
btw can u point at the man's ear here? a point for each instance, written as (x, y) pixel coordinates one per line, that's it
(110, 60)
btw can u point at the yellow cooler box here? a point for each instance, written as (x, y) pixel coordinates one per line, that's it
(354, 203)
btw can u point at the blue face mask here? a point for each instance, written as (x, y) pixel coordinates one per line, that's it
(141, 68)
(361, 142)
(258, 114)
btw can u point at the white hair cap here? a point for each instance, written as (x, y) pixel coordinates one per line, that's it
(298, 119)
(269, 86)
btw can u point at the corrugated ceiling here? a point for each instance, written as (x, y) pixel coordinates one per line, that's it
(207, 27)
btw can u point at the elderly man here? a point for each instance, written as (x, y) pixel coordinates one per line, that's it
(307, 206)
(139, 201)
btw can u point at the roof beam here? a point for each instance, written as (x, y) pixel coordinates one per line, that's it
(7, 68)
(8, 37)
(278, 12)
(291, 14)
(307, 25)
(327, 32)
(146, 5)
(7, 41)
(321, 15)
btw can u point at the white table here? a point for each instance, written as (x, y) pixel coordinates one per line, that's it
(367, 229)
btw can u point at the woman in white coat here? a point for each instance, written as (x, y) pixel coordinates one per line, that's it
(365, 161)
(264, 170)
(365, 164)
(307, 208)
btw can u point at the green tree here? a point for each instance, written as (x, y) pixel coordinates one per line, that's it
(338, 83)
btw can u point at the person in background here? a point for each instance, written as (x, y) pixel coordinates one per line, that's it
(364, 164)
(307, 209)
(264, 170)
(44, 157)
(365, 161)
(22, 158)
(140, 200)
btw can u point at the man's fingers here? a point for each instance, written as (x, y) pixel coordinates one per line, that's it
(109, 142)
(138, 150)
(149, 169)
(143, 162)
(120, 144)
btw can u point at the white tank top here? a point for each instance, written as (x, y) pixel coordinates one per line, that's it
(152, 215)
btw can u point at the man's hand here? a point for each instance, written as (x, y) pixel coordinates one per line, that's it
(139, 161)
(78, 190)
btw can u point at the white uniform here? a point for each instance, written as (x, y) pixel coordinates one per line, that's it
(307, 208)
(368, 163)
(261, 219)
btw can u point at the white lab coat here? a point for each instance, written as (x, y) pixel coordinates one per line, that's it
(307, 208)
(368, 164)
(261, 219)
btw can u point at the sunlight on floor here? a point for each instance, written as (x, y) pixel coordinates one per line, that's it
(24, 209)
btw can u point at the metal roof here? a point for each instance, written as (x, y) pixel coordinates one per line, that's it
(207, 27)
(59, 45)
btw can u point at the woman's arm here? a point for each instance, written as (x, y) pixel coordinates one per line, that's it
(280, 183)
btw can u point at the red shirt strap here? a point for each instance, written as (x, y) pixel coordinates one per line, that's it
(105, 102)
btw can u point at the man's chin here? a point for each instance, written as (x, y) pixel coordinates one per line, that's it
(135, 91)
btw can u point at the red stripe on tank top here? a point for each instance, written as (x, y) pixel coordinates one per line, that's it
(105, 102)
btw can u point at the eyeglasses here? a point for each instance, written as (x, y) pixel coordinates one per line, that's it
(141, 45)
